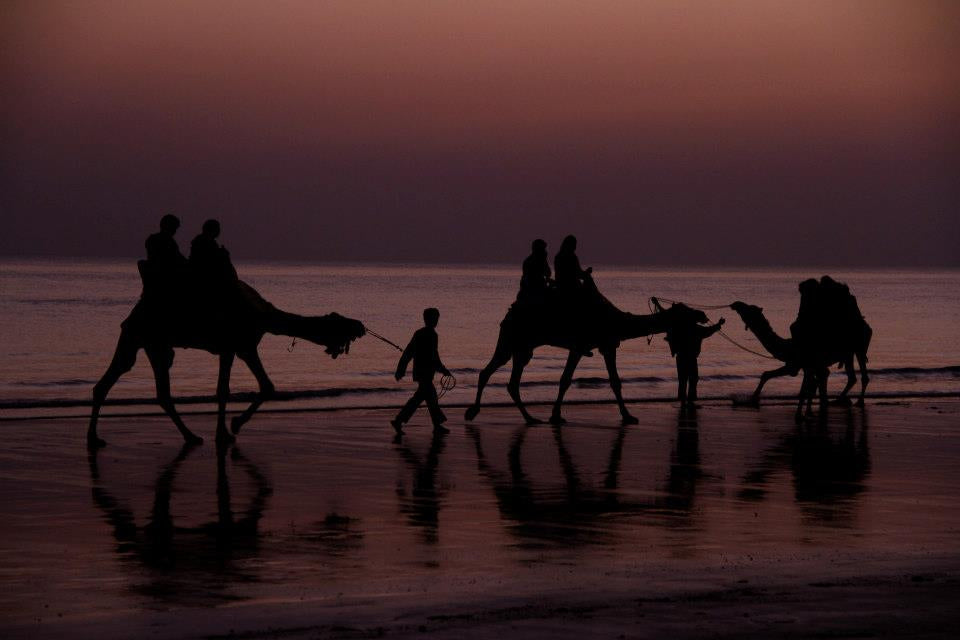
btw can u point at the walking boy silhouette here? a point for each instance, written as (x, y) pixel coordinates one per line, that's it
(426, 362)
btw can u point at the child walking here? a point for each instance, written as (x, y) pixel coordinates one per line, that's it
(423, 349)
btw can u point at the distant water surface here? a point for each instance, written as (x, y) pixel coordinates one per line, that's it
(59, 321)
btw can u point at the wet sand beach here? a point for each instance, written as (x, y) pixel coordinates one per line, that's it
(730, 523)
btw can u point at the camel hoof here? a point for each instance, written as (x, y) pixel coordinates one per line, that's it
(842, 401)
(93, 442)
(531, 421)
(471, 412)
(236, 424)
(192, 440)
(557, 420)
(860, 402)
(629, 419)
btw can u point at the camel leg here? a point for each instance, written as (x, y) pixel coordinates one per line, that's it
(520, 360)
(804, 394)
(842, 399)
(766, 377)
(821, 379)
(573, 359)
(864, 378)
(223, 394)
(500, 357)
(253, 362)
(160, 362)
(124, 358)
(861, 353)
(610, 359)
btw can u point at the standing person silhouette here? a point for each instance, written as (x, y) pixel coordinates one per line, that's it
(423, 349)
(685, 340)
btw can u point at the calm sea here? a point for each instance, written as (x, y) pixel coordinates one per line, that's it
(59, 322)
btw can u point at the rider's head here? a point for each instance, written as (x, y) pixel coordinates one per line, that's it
(211, 228)
(539, 246)
(569, 244)
(431, 317)
(169, 223)
(808, 286)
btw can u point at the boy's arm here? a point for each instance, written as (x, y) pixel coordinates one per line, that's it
(437, 365)
(405, 358)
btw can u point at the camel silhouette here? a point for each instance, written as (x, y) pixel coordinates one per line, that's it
(523, 329)
(230, 329)
(814, 360)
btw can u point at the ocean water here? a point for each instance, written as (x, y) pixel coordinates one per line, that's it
(59, 321)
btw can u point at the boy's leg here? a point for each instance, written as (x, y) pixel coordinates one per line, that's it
(429, 394)
(408, 409)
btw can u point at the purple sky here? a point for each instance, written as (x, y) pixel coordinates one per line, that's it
(673, 133)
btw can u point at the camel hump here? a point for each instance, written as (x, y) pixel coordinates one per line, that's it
(253, 299)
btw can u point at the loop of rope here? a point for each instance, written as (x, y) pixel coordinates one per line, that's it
(447, 383)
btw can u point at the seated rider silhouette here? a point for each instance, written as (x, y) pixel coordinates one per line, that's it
(536, 274)
(210, 260)
(575, 296)
(840, 314)
(568, 273)
(163, 269)
(808, 325)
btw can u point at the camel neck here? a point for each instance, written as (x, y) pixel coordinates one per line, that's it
(778, 346)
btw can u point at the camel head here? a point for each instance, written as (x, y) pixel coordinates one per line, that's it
(335, 332)
(750, 314)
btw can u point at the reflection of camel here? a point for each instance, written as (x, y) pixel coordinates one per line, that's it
(608, 326)
(229, 329)
(188, 565)
(828, 472)
(422, 505)
(814, 362)
(580, 514)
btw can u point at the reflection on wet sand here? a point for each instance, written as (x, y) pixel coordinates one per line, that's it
(830, 468)
(325, 511)
(193, 565)
(422, 501)
(581, 514)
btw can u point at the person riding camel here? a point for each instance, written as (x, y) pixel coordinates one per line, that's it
(208, 258)
(568, 273)
(571, 279)
(535, 280)
(162, 271)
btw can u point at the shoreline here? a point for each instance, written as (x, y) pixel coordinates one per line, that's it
(246, 397)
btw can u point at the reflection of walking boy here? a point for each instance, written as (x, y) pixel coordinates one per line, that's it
(426, 362)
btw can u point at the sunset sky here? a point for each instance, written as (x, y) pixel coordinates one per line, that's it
(672, 133)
